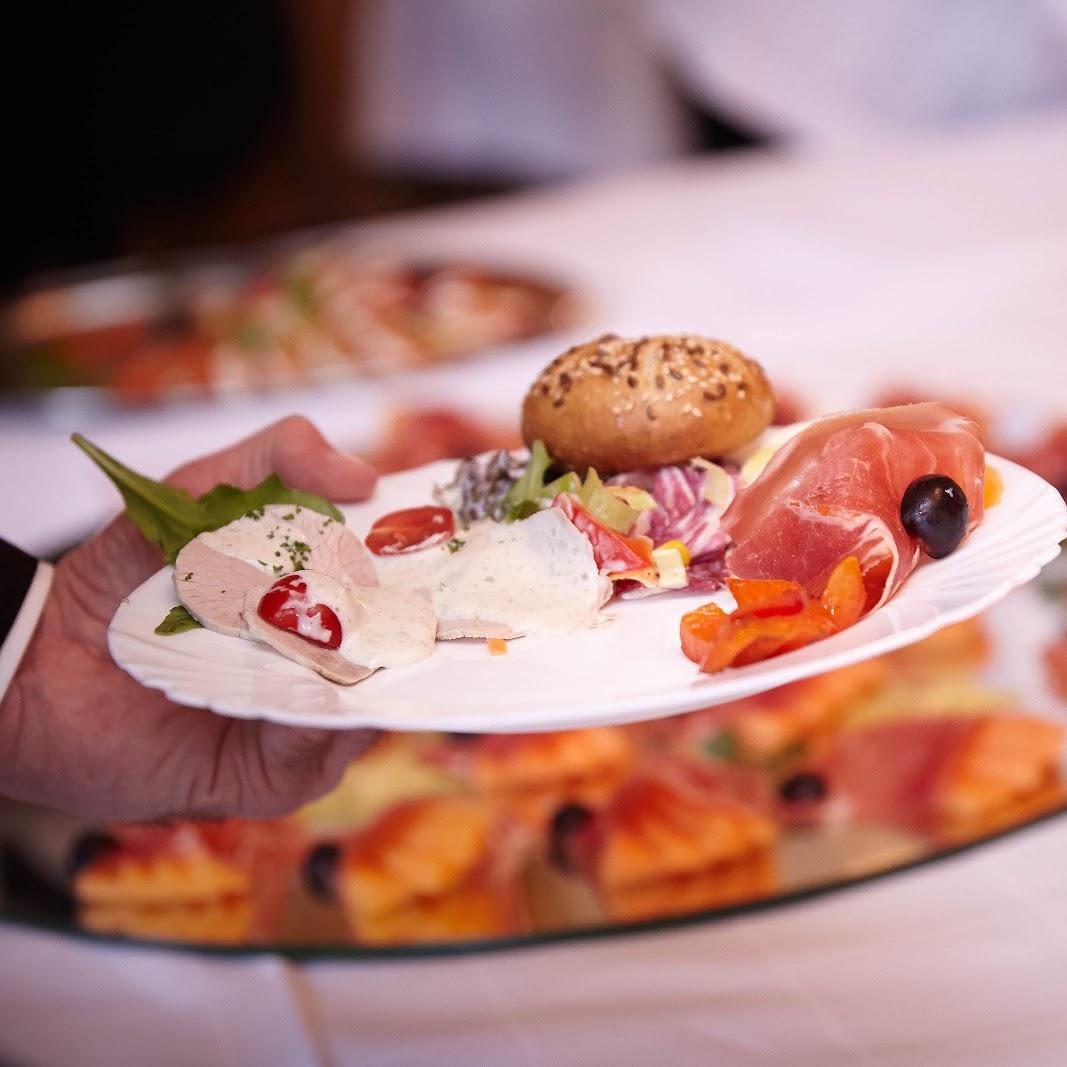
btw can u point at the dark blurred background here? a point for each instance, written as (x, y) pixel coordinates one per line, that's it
(141, 128)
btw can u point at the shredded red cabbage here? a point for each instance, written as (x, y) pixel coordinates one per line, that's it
(682, 514)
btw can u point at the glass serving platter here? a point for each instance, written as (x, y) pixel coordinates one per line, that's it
(392, 864)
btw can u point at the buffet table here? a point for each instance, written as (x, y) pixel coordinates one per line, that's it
(943, 262)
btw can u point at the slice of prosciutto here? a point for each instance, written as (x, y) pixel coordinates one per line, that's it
(834, 490)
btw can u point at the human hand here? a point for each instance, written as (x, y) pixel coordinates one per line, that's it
(77, 732)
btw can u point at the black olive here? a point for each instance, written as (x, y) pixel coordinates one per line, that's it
(804, 785)
(320, 868)
(934, 511)
(87, 849)
(567, 821)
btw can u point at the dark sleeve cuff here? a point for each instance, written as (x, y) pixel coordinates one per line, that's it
(17, 569)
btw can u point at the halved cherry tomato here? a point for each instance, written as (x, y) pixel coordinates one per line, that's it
(845, 594)
(699, 627)
(613, 551)
(285, 605)
(410, 529)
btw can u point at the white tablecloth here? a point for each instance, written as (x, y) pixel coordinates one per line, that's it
(939, 261)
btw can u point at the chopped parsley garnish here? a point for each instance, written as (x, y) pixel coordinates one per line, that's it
(455, 544)
(299, 551)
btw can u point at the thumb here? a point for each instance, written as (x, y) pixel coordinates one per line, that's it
(304, 459)
(294, 450)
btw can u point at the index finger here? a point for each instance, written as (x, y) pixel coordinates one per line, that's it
(295, 450)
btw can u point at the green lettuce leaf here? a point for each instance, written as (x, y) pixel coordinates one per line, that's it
(170, 517)
(177, 621)
(605, 506)
(524, 497)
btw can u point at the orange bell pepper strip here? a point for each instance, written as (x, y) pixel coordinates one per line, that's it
(767, 597)
(771, 618)
(845, 593)
(992, 487)
(750, 639)
(699, 627)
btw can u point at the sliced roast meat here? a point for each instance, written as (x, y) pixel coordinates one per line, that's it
(506, 579)
(213, 587)
(282, 538)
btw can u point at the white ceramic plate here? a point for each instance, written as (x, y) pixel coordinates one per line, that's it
(629, 670)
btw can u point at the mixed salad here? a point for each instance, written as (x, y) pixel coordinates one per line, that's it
(651, 531)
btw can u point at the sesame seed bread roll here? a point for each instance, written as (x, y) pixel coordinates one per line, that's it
(617, 404)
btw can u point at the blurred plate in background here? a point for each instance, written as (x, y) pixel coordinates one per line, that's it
(319, 314)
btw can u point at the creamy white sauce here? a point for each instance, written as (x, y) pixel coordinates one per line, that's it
(272, 540)
(379, 627)
(533, 576)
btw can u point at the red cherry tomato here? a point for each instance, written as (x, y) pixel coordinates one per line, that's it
(410, 529)
(285, 605)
